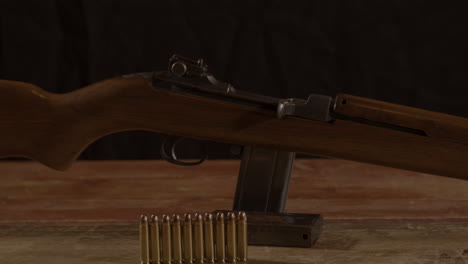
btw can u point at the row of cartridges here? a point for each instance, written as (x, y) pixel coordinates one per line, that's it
(201, 239)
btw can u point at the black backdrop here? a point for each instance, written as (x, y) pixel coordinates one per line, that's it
(407, 52)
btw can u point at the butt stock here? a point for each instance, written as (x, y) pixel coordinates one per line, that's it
(55, 128)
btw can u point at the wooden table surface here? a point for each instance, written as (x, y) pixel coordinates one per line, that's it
(89, 214)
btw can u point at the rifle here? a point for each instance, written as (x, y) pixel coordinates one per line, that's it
(187, 101)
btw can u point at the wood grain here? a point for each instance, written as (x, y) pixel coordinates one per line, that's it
(433, 124)
(89, 214)
(54, 129)
(119, 191)
(360, 243)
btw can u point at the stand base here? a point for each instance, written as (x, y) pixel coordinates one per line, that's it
(282, 229)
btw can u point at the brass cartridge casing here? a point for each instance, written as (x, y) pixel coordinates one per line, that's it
(203, 239)
(154, 252)
(144, 240)
(231, 242)
(220, 239)
(166, 240)
(176, 240)
(208, 238)
(187, 231)
(198, 239)
(242, 236)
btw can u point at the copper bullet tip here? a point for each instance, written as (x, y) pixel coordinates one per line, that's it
(208, 217)
(143, 219)
(176, 218)
(187, 218)
(198, 218)
(165, 219)
(219, 217)
(154, 218)
(231, 216)
(242, 216)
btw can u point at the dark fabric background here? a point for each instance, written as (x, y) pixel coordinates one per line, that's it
(407, 52)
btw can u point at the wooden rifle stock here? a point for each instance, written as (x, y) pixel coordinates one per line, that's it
(55, 128)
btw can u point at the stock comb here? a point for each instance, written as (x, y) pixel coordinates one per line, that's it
(220, 238)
